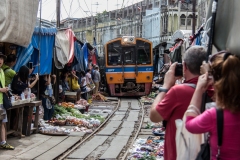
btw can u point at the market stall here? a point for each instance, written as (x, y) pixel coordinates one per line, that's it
(24, 118)
(68, 114)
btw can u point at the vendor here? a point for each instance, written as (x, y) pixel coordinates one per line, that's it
(73, 83)
(46, 94)
(7, 68)
(83, 85)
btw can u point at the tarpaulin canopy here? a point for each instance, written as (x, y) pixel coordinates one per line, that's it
(226, 36)
(64, 48)
(85, 55)
(80, 57)
(46, 36)
(17, 21)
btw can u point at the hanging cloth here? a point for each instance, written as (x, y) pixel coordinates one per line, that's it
(17, 21)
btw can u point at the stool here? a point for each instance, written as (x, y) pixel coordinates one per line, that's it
(72, 96)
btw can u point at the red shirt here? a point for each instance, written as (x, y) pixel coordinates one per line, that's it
(173, 107)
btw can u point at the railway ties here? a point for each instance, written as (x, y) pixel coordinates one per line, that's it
(112, 141)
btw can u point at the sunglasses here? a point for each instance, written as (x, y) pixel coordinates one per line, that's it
(213, 57)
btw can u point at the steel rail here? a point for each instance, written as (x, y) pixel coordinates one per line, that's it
(76, 145)
(140, 125)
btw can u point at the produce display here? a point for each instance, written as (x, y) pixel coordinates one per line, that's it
(16, 100)
(67, 104)
(151, 148)
(82, 102)
(99, 97)
(73, 117)
(53, 130)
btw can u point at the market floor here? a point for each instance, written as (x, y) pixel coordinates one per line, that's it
(39, 146)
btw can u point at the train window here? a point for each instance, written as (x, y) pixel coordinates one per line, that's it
(143, 56)
(114, 53)
(129, 55)
(114, 58)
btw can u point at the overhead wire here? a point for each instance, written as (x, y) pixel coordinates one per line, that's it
(70, 9)
(87, 7)
(51, 14)
(82, 8)
(65, 9)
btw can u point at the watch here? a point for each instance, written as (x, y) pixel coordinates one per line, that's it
(161, 89)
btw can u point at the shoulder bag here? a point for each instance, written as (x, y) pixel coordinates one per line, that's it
(6, 100)
(204, 153)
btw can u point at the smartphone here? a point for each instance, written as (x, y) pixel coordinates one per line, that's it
(179, 70)
(30, 65)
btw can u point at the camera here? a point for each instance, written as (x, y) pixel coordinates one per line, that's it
(179, 70)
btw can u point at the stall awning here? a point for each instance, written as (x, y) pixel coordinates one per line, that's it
(44, 37)
(17, 21)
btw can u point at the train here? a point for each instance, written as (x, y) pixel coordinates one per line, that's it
(128, 66)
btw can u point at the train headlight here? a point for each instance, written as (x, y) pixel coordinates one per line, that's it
(128, 40)
(148, 77)
(111, 78)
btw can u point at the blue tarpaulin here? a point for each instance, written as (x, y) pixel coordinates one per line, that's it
(79, 56)
(31, 54)
(85, 54)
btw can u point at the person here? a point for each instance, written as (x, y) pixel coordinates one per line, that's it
(3, 89)
(96, 79)
(21, 80)
(21, 84)
(7, 68)
(64, 79)
(225, 76)
(46, 95)
(74, 84)
(173, 100)
(89, 77)
(93, 70)
(83, 85)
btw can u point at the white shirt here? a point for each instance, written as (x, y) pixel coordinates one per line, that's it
(88, 77)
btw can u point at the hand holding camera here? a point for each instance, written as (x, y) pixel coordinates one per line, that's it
(170, 77)
(36, 76)
(204, 67)
(179, 70)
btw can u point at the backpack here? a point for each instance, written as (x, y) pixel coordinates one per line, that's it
(93, 74)
(188, 145)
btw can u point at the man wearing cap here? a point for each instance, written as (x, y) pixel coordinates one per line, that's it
(3, 89)
(7, 68)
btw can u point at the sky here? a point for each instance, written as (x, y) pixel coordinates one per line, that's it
(80, 8)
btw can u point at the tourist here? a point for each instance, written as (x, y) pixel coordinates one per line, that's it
(173, 100)
(3, 89)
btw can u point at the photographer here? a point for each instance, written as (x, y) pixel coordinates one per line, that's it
(173, 100)
(21, 80)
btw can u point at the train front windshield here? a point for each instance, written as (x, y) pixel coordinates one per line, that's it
(129, 55)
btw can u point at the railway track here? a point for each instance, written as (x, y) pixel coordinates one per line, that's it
(113, 138)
